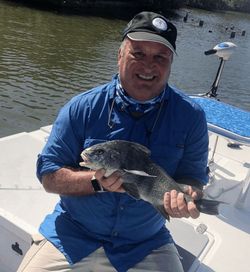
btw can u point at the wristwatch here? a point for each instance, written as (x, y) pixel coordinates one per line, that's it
(96, 185)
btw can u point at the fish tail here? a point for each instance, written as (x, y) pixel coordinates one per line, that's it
(208, 206)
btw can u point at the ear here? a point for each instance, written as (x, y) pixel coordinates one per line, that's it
(119, 56)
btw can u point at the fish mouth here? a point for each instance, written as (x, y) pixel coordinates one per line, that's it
(85, 159)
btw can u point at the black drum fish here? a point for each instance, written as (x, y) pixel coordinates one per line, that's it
(142, 178)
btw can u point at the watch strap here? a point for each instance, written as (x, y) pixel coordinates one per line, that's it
(96, 185)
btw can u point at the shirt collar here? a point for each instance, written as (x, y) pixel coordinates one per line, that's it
(132, 105)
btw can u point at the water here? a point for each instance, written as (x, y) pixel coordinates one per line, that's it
(46, 58)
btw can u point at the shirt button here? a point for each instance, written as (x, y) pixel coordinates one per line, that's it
(115, 233)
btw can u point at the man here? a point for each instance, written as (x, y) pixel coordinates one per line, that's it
(96, 226)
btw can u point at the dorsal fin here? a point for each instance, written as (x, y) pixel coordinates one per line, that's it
(142, 148)
(137, 146)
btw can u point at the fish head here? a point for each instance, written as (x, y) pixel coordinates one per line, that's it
(104, 155)
(115, 155)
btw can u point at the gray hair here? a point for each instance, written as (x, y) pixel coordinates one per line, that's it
(122, 46)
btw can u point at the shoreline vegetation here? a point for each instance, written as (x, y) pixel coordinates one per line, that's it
(124, 9)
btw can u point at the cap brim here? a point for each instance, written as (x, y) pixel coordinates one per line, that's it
(150, 37)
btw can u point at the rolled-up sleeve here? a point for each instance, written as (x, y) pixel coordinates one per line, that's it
(63, 147)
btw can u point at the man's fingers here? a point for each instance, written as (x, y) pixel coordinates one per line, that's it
(173, 204)
(111, 183)
(176, 205)
(99, 174)
(182, 205)
(194, 192)
(193, 211)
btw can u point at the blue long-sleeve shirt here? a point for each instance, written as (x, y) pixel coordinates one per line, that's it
(128, 229)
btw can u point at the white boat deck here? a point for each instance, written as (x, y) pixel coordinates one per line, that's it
(228, 244)
(216, 243)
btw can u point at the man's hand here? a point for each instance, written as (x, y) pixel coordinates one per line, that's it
(112, 183)
(176, 206)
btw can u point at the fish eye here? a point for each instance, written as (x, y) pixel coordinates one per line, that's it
(99, 151)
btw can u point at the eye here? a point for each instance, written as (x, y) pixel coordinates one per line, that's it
(99, 151)
(138, 55)
(160, 58)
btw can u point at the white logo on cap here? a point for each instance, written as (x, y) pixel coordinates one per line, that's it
(160, 24)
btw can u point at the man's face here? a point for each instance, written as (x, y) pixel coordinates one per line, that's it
(144, 68)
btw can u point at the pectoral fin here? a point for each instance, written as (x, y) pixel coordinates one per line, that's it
(139, 173)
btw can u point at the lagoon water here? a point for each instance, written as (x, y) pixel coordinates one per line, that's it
(46, 58)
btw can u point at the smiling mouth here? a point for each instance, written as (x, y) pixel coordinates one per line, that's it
(147, 78)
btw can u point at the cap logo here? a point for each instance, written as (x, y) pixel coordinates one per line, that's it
(160, 24)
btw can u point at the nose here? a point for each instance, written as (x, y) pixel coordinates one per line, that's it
(149, 63)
